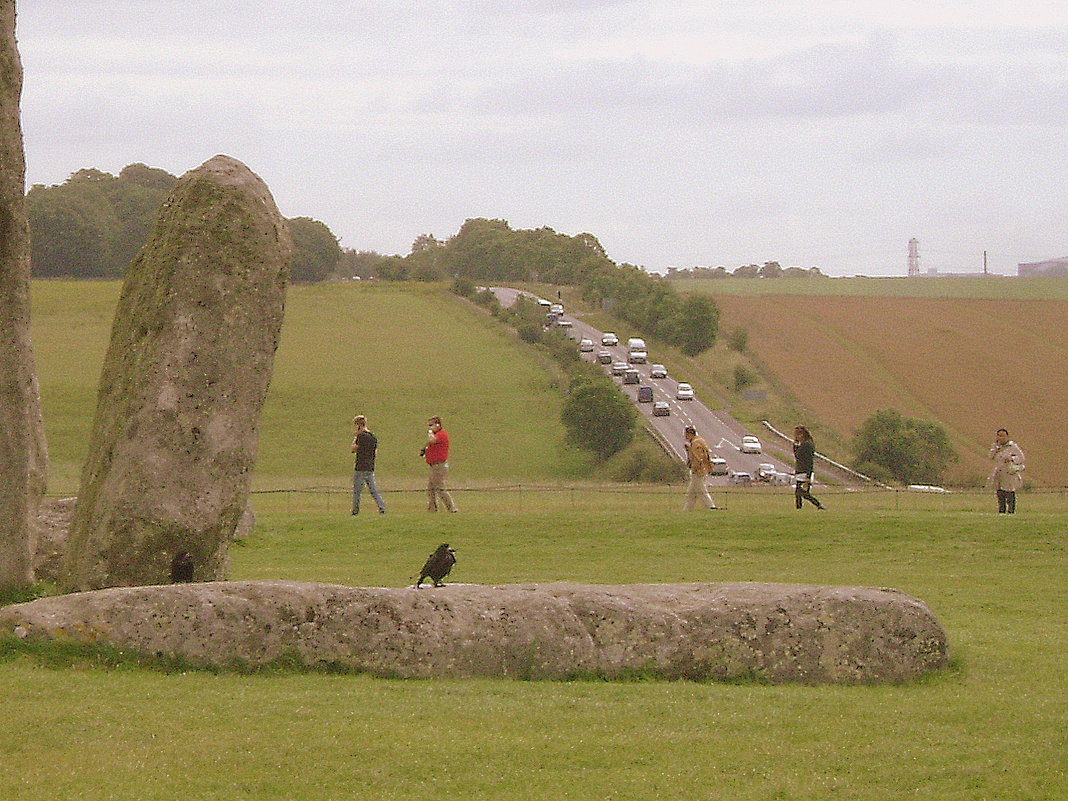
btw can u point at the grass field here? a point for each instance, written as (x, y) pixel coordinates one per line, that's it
(395, 353)
(998, 287)
(990, 727)
(993, 726)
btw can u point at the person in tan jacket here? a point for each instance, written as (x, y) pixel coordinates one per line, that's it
(699, 461)
(1008, 466)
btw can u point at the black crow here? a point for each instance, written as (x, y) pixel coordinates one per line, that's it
(182, 567)
(438, 565)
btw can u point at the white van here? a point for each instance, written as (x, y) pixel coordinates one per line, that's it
(635, 343)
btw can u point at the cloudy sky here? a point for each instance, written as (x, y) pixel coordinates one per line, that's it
(679, 132)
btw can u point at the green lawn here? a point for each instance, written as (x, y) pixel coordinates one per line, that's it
(990, 727)
(978, 286)
(993, 726)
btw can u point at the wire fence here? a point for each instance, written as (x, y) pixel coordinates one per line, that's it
(645, 497)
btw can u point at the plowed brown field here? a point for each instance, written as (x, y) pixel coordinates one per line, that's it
(973, 365)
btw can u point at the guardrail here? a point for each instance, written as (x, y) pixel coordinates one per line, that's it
(828, 460)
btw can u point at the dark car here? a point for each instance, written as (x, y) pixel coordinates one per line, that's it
(632, 377)
(645, 394)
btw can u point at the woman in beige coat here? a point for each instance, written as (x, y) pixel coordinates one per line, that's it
(1008, 466)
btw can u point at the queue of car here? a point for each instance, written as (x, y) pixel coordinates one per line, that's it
(637, 353)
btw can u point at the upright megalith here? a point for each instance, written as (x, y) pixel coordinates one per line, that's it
(23, 457)
(192, 348)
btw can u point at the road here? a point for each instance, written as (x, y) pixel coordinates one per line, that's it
(717, 427)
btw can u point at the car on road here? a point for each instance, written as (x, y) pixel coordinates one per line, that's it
(556, 308)
(609, 340)
(604, 357)
(740, 477)
(618, 368)
(684, 392)
(545, 304)
(637, 357)
(585, 345)
(658, 371)
(636, 343)
(765, 471)
(719, 466)
(661, 409)
(750, 444)
(632, 376)
(645, 394)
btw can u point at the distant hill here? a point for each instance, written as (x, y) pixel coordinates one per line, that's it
(396, 352)
(972, 364)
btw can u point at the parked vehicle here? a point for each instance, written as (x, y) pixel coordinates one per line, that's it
(661, 409)
(618, 368)
(658, 371)
(545, 304)
(586, 345)
(609, 340)
(632, 376)
(604, 357)
(645, 394)
(557, 309)
(719, 466)
(750, 444)
(684, 392)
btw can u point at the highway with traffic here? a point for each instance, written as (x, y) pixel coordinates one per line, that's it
(719, 429)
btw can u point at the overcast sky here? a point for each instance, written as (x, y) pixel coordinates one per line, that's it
(679, 132)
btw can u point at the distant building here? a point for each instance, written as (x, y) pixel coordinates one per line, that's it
(1052, 267)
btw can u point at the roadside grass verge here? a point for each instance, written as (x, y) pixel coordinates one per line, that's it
(990, 727)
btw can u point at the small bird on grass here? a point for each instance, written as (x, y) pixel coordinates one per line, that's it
(437, 565)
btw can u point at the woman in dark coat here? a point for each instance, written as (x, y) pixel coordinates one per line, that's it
(804, 453)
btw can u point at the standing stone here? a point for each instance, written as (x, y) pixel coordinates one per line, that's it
(23, 456)
(192, 348)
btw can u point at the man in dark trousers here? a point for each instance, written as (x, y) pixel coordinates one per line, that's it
(364, 445)
(804, 455)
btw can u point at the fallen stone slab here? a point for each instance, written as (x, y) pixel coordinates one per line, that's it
(772, 632)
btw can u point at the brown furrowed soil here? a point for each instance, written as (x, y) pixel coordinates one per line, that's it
(973, 365)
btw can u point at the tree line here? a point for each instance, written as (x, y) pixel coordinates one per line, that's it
(94, 223)
(770, 269)
(486, 251)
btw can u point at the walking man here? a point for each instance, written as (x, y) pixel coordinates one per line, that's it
(699, 462)
(364, 445)
(804, 456)
(436, 454)
(1008, 465)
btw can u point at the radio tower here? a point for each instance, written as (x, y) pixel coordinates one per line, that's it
(914, 256)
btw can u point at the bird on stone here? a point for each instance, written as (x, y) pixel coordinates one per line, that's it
(437, 565)
(182, 567)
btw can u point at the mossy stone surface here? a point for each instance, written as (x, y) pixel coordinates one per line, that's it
(184, 379)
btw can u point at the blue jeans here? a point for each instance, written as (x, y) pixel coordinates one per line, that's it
(359, 478)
